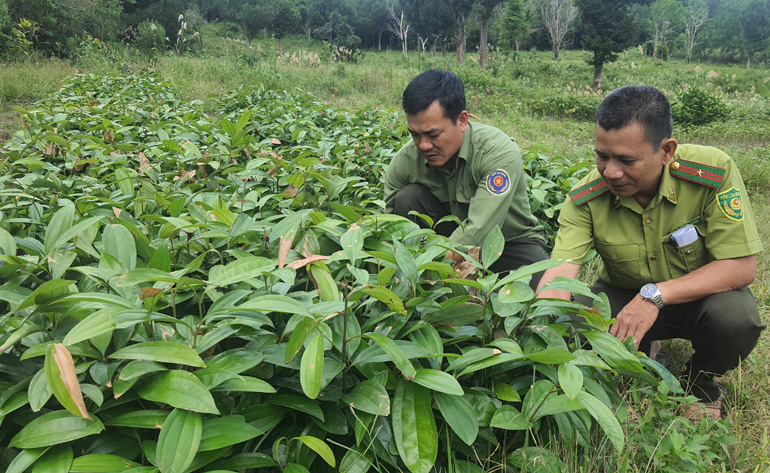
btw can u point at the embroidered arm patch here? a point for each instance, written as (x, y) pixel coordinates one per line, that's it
(730, 204)
(498, 182)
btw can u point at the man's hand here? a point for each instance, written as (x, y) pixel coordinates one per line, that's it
(635, 319)
(455, 257)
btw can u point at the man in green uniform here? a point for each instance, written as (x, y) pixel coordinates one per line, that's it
(675, 230)
(469, 170)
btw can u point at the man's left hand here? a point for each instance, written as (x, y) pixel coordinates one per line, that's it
(635, 319)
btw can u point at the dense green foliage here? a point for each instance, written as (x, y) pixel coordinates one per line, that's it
(696, 106)
(194, 292)
(730, 31)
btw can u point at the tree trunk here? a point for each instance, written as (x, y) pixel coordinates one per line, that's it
(246, 35)
(483, 43)
(516, 55)
(443, 49)
(379, 41)
(748, 62)
(597, 76)
(460, 37)
(555, 50)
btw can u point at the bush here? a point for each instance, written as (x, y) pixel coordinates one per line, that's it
(574, 105)
(696, 106)
(150, 37)
(203, 293)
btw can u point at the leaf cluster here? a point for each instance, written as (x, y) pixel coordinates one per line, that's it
(188, 292)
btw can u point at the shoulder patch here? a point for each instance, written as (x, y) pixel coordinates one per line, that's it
(498, 182)
(699, 173)
(730, 204)
(581, 195)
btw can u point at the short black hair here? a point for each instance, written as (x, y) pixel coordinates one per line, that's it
(432, 85)
(640, 104)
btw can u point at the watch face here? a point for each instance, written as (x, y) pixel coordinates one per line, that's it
(648, 291)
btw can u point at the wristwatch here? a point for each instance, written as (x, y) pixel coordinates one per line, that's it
(651, 293)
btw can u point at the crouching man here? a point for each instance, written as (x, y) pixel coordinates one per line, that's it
(469, 170)
(675, 230)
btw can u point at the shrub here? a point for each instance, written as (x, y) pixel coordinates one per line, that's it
(190, 293)
(696, 106)
(150, 37)
(573, 105)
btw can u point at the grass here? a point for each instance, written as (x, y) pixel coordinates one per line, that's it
(538, 100)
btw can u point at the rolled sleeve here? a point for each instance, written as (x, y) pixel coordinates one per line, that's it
(575, 235)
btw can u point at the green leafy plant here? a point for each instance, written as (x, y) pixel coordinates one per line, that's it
(696, 106)
(192, 293)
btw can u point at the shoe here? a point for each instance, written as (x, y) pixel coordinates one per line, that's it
(715, 409)
(698, 410)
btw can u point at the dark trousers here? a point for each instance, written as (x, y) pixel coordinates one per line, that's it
(722, 327)
(518, 252)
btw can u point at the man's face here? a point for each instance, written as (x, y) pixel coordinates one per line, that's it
(438, 138)
(628, 162)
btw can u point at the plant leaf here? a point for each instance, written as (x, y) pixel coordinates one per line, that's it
(438, 381)
(509, 418)
(459, 414)
(180, 389)
(225, 431)
(493, 246)
(414, 427)
(311, 367)
(369, 396)
(61, 377)
(162, 352)
(178, 441)
(55, 428)
(604, 417)
(320, 447)
(397, 356)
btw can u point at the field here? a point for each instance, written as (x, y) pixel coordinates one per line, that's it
(545, 104)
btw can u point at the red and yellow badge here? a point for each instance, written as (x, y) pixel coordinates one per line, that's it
(730, 204)
(498, 182)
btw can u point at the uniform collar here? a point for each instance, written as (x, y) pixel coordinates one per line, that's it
(667, 188)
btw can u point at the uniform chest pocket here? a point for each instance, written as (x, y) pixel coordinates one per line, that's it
(685, 259)
(464, 194)
(622, 261)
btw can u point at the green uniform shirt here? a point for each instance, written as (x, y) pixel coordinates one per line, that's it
(486, 188)
(700, 186)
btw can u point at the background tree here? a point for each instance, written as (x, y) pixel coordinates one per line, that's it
(338, 32)
(559, 18)
(399, 26)
(283, 17)
(697, 14)
(164, 12)
(607, 29)
(248, 14)
(462, 11)
(514, 25)
(487, 9)
(667, 17)
(439, 23)
(745, 26)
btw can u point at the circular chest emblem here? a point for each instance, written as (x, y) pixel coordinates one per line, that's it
(498, 182)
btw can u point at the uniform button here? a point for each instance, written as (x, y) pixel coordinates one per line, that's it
(653, 257)
(647, 222)
(688, 252)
